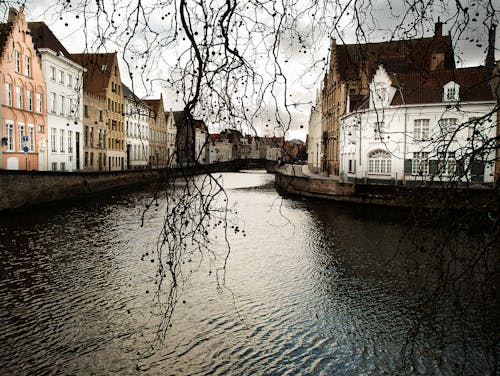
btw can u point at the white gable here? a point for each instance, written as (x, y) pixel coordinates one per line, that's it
(451, 92)
(381, 89)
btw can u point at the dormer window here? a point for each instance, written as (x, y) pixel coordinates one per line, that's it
(104, 67)
(451, 92)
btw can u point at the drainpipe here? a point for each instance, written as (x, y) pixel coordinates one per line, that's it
(404, 136)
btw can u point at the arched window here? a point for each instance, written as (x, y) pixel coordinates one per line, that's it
(379, 162)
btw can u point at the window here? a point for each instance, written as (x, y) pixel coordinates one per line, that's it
(8, 94)
(53, 147)
(21, 133)
(27, 66)
(91, 159)
(421, 130)
(54, 166)
(86, 160)
(29, 96)
(379, 130)
(53, 103)
(62, 141)
(91, 137)
(10, 135)
(379, 162)
(61, 104)
(69, 107)
(31, 140)
(61, 77)
(448, 127)
(104, 67)
(450, 94)
(38, 102)
(17, 59)
(52, 73)
(40, 128)
(70, 80)
(447, 163)
(100, 115)
(70, 141)
(19, 96)
(420, 163)
(63, 166)
(86, 136)
(86, 111)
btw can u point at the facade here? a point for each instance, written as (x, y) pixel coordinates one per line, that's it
(94, 132)
(222, 146)
(314, 151)
(137, 118)
(23, 115)
(64, 80)
(171, 139)
(201, 142)
(102, 78)
(158, 155)
(350, 68)
(420, 126)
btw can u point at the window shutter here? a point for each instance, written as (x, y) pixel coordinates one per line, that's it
(408, 167)
(433, 166)
(477, 171)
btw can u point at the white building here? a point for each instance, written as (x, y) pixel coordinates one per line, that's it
(171, 139)
(200, 142)
(223, 148)
(314, 154)
(64, 79)
(421, 126)
(137, 115)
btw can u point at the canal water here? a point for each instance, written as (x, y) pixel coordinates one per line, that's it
(311, 288)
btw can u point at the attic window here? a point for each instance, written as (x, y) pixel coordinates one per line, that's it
(451, 92)
(104, 67)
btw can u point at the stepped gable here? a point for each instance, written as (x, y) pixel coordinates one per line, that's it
(98, 65)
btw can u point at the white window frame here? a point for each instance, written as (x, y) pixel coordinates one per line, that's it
(21, 131)
(448, 127)
(53, 103)
(8, 94)
(421, 129)
(70, 142)
(31, 135)
(53, 73)
(62, 141)
(379, 128)
(17, 61)
(39, 102)
(420, 163)
(27, 65)
(9, 133)
(61, 105)
(19, 97)
(61, 77)
(29, 100)
(53, 140)
(379, 162)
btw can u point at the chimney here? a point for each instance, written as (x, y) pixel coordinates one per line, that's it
(438, 28)
(490, 55)
(12, 15)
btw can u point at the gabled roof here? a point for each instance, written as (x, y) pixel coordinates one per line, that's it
(5, 30)
(96, 79)
(401, 56)
(128, 93)
(154, 104)
(44, 38)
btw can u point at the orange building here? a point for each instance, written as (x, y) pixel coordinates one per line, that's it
(22, 95)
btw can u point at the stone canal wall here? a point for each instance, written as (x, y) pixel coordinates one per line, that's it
(428, 196)
(21, 189)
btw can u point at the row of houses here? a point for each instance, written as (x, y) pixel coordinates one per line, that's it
(72, 112)
(402, 110)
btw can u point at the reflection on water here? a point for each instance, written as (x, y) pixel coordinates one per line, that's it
(311, 289)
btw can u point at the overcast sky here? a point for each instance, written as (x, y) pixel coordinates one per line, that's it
(304, 62)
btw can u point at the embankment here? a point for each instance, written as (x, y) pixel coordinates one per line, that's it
(23, 189)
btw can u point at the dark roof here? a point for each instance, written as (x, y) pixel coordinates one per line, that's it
(5, 30)
(154, 104)
(96, 79)
(44, 38)
(128, 93)
(401, 56)
(427, 87)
